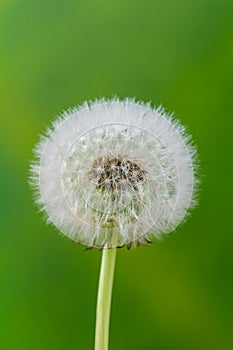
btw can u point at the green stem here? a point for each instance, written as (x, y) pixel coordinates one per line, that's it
(104, 298)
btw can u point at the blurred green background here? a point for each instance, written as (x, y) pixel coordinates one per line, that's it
(55, 54)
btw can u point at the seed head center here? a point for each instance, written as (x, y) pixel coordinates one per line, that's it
(116, 172)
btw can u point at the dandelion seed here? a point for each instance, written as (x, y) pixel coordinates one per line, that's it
(115, 173)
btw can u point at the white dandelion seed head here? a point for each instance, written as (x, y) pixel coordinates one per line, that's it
(114, 173)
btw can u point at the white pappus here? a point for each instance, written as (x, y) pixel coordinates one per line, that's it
(115, 172)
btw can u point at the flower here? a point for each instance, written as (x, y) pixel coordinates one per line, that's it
(115, 172)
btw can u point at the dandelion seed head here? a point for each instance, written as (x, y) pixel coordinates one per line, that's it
(113, 173)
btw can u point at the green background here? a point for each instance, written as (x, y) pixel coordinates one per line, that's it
(54, 54)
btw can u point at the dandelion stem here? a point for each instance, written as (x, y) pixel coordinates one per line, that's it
(104, 299)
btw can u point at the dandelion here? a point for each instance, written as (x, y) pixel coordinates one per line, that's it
(114, 173)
